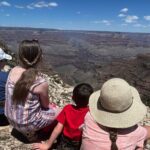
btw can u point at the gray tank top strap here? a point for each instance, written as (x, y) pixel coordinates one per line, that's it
(37, 82)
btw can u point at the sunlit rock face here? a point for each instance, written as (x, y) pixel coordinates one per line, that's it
(59, 92)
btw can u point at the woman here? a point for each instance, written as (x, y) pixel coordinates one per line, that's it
(113, 120)
(27, 102)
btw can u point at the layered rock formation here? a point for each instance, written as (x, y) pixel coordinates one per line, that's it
(136, 71)
(60, 93)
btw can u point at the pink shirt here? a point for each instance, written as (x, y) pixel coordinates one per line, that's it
(95, 138)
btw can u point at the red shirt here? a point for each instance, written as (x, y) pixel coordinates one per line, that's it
(72, 117)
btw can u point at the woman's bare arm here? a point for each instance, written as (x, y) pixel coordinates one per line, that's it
(42, 90)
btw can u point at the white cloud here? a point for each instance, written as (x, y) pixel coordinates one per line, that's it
(42, 4)
(147, 18)
(106, 22)
(7, 15)
(53, 4)
(4, 3)
(124, 10)
(18, 6)
(131, 19)
(121, 15)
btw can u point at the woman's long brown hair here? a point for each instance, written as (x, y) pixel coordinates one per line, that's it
(29, 55)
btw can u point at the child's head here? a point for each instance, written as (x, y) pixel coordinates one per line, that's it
(81, 94)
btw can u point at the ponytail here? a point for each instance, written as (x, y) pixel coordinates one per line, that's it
(29, 54)
(113, 138)
(23, 85)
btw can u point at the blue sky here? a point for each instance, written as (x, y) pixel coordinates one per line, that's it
(101, 15)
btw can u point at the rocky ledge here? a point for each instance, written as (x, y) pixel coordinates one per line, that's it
(8, 142)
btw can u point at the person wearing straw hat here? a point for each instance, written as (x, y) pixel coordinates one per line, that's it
(3, 78)
(113, 120)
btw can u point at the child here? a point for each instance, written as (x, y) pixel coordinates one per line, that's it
(112, 123)
(69, 121)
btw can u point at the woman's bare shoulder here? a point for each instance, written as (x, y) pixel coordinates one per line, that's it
(15, 73)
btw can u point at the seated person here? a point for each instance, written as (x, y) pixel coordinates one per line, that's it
(3, 78)
(27, 101)
(69, 121)
(113, 120)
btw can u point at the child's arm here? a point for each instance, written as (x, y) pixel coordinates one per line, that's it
(46, 145)
(57, 130)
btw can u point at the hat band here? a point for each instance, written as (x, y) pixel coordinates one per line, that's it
(113, 111)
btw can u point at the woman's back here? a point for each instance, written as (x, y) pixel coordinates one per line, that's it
(30, 113)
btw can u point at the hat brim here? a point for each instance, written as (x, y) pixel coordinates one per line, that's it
(125, 119)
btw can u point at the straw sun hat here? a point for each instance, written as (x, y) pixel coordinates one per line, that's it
(117, 105)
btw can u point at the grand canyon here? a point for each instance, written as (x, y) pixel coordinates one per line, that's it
(89, 56)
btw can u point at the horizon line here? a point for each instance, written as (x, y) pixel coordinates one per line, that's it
(76, 30)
